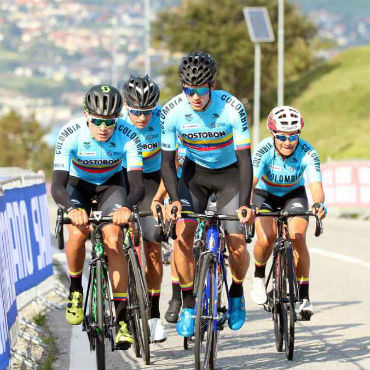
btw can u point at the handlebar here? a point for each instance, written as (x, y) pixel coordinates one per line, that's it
(287, 214)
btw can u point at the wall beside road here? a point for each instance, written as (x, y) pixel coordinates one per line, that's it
(25, 250)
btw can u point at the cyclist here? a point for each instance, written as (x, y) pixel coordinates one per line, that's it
(87, 164)
(141, 95)
(279, 163)
(213, 126)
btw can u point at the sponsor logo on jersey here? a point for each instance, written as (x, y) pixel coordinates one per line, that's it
(190, 126)
(112, 144)
(275, 168)
(204, 135)
(149, 146)
(87, 154)
(113, 153)
(151, 137)
(87, 144)
(150, 128)
(188, 117)
(215, 115)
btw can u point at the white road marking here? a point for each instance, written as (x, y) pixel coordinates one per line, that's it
(340, 257)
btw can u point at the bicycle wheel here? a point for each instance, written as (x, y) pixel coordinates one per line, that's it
(99, 317)
(221, 312)
(277, 314)
(290, 304)
(204, 315)
(138, 308)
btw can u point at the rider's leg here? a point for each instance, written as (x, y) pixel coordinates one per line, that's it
(117, 266)
(297, 231)
(75, 252)
(153, 274)
(239, 263)
(175, 303)
(184, 259)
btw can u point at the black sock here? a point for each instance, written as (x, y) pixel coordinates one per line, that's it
(303, 291)
(154, 310)
(176, 292)
(188, 300)
(76, 284)
(259, 271)
(236, 290)
(120, 307)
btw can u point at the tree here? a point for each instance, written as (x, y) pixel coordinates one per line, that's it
(22, 144)
(219, 28)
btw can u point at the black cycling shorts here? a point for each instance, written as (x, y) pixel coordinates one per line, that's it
(294, 201)
(148, 224)
(110, 196)
(198, 183)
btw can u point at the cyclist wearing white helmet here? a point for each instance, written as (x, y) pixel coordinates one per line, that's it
(279, 163)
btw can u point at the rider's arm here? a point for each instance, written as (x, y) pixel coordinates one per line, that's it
(58, 189)
(169, 175)
(246, 175)
(137, 191)
(317, 192)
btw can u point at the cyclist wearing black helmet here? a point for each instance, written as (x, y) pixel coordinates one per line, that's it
(141, 95)
(213, 126)
(87, 165)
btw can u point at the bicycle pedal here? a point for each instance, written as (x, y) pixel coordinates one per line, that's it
(267, 307)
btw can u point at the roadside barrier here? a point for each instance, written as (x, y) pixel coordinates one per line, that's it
(26, 269)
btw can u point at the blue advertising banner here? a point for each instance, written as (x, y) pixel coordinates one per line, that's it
(26, 225)
(5, 302)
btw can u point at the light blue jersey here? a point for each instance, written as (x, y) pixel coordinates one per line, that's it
(211, 137)
(181, 154)
(278, 176)
(150, 138)
(96, 161)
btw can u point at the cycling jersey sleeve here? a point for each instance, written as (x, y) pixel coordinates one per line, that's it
(259, 157)
(241, 134)
(136, 183)
(168, 128)
(58, 190)
(312, 162)
(63, 150)
(246, 176)
(133, 154)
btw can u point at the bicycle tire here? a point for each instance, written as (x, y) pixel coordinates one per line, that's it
(277, 313)
(99, 338)
(137, 301)
(205, 307)
(290, 317)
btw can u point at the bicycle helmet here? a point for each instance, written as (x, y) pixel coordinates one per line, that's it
(284, 118)
(141, 92)
(197, 69)
(103, 100)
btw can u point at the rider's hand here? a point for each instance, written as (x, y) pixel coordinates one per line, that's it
(319, 209)
(121, 216)
(78, 216)
(169, 207)
(249, 218)
(153, 206)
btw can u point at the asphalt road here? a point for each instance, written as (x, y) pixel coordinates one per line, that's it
(337, 337)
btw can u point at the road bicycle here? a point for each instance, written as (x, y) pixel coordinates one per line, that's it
(99, 311)
(283, 294)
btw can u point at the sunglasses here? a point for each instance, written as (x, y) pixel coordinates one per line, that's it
(285, 137)
(200, 91)
(138, 112)
(109, 122)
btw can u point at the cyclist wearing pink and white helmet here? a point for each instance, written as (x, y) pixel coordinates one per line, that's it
(279, 163)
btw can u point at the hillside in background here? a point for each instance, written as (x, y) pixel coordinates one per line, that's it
(336, 106)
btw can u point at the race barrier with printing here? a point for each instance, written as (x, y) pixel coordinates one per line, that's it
(26, 268)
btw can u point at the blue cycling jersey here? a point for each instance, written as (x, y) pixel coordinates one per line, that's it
(278, 176)
(212, 136)
(96, 161)
(150, 138)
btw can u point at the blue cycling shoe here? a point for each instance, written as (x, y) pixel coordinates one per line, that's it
(185, 325)
(237, 313)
